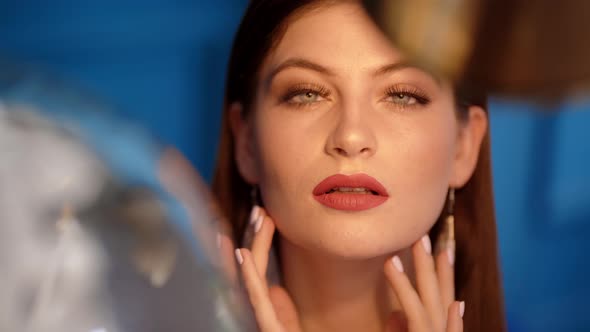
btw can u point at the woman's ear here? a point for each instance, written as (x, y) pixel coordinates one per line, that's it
(243, 136)
(471, 134)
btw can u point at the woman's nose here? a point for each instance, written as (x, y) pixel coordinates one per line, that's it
(352, 136)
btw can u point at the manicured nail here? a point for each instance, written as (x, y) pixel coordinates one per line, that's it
(461, 308)
(426, 243)
(397, 263)
(254, 214)
(218, 240)
(451, 256)
(239, 257)
(258, 224)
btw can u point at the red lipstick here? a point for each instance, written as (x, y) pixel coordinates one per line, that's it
(350, 192)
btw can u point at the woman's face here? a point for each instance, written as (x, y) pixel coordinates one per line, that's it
(335, 97)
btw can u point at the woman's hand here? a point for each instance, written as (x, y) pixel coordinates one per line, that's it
(433, 308)
(273, 307)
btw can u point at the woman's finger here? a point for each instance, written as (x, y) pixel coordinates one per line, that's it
(455, 317)
(427, 283)
(285, 309)
(418, 319)
(261, 244)
(445, 261)
(257, 293)
(227, 248)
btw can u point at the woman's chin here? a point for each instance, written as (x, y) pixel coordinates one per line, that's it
(350, 247)
(355, 250)
(351, 236)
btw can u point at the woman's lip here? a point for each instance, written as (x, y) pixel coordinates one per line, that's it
(350, 201)
(350, 181)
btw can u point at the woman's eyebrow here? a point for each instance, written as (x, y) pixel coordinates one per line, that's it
(393, 67)
(297, 63)
(310, 65)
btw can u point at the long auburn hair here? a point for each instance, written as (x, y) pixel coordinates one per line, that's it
(477, 275)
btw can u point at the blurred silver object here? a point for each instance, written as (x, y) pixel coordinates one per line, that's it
(521, 48)
(85, 248)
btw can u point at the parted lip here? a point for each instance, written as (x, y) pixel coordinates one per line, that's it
(351, 181)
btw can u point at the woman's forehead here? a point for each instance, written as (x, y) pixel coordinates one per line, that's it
(341, 37)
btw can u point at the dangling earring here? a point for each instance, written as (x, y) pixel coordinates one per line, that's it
(446, 239)
(248, 234)
(254, 199)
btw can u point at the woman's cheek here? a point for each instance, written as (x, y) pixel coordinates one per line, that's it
(421, 168)
(283, 151)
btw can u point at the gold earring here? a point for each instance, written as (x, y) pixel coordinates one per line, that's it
(446, 238)
(254, 199)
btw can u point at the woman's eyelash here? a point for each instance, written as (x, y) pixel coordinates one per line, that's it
(308, 94)
(399, 91)
(302, 89)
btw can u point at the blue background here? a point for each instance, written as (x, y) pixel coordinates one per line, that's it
(162, 64)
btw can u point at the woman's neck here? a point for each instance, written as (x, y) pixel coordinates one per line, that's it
(333, 294)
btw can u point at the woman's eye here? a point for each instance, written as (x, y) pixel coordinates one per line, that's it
(305, 97)
(402, 98)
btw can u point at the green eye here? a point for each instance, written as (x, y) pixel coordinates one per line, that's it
(307, 94)
(402, 96)
(403, 99)
(306, 97)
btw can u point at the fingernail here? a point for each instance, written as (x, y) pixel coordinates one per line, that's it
(451, 256)
(461, 308)
(258, 224)
(239, 257)
(254, 214)
(426, 243)
(218, 240)
(397, 263)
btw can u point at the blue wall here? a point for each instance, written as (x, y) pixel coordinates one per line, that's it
(162, 64)
(542, 179)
